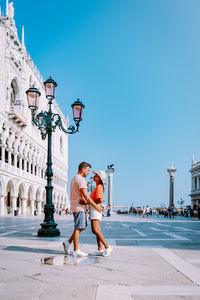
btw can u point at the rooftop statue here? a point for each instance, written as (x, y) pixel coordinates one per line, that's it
(11, 10)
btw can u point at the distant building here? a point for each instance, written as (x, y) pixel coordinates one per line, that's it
(195, 185)
(22, 151)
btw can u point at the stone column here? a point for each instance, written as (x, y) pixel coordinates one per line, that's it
(25, 164)
(110, 172)
(2, 205)
(3, 148)
(14, 204)
(192, 183)
(32, 207)
(15, 159)
(36, 170)
(20, 162)
(198, 182)
(9, 156)
(171, 170)
(24, 206)
(58, 204)
(39, 207)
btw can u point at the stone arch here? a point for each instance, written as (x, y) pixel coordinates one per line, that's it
(21, 195)
(39, 200)
(2, 186)
(12, 187)
(43, 198)
(31, 199)
(2, 196)
(10, 195)
(23, 189)
(39, 194)
(30, 192)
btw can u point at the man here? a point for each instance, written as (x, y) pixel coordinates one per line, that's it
(78, 200)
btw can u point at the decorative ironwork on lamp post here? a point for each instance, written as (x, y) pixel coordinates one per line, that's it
(47, 122)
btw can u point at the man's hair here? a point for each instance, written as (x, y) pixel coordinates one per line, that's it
(83, 165)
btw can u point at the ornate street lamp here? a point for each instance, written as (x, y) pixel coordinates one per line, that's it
(171, 170)
(47, 122)
(33, 96)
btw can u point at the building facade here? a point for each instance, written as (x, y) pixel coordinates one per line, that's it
(23, 154)
(195, 184)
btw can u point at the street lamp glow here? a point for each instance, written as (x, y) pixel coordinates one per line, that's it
(78, 107)
(50, 86)
(33, 96)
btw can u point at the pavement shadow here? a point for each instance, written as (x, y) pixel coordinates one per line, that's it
(33, 250)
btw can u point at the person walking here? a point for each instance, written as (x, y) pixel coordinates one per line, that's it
(78, 200)
(97, 196)
(148, 211)
(143, 211)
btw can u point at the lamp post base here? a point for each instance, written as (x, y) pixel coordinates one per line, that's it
(48, 230)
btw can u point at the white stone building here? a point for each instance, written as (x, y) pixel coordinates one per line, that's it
(23, 153)
(195, 184)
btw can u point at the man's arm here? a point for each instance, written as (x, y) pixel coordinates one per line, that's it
(89, 200)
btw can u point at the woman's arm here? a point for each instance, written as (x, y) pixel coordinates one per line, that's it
(89, 200)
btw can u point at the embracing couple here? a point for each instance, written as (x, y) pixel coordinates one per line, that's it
(79, 199)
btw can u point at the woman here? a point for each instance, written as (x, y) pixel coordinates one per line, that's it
(97, 196)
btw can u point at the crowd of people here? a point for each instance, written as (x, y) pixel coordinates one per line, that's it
(168, 212)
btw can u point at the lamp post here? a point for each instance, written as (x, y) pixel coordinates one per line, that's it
(47, 122)
(181, 202)
(171, 170)
(89, 185)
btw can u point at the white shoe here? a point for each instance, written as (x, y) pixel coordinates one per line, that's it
(66, 246)
(79, 253)
(97, 253)
(108, 251)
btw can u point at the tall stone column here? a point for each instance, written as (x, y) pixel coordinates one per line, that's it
(2, 205)
(32, 207)
(39, 207)
(14, 204)
(15, 159)
(110, 172)
(20, 162)
(171, 170)
(24, 206)
(9, 156)
(3, 148)
(197, 182)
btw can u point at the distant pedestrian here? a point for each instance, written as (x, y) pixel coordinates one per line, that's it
(78, 200)
(108, 211)
(148, 210)
(170, 212)
(173, 212)
(143, 211)
(198, 211)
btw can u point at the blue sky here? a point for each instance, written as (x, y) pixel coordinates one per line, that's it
(136, 66)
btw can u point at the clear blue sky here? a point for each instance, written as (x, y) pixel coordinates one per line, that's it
(136, 66)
